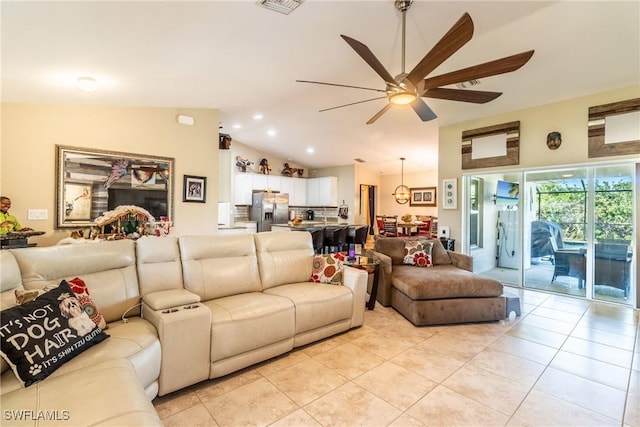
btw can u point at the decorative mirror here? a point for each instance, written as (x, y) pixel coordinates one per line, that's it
(90, 182)
(490, 146)
(614, 129)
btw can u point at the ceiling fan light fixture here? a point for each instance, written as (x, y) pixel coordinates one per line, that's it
(402, 98)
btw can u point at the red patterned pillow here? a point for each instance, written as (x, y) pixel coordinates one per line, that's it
(328, 268)
(418, 253)
(81, 292)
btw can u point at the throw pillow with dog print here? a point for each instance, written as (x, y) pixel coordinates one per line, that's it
(38, 337)
(81, 292)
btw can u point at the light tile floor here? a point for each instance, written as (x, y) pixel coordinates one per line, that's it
(565, 361)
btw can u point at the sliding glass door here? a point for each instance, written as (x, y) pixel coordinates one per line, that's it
(555, 220)
(613, 232)
(564, 230)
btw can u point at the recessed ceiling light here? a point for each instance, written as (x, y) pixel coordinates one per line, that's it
(236, 126)
(271, 132)
(87, 84)
(567, 175)
(257, 116)
(310, 150)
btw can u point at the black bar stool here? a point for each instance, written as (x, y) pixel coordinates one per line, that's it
(335, 238)
(357, 235)
(317, 234)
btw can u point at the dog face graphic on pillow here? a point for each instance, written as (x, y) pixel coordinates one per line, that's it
(71, 309)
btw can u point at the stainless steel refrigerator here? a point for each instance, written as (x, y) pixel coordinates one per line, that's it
(269, 208)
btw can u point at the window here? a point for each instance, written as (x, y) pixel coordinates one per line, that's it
(475, 212)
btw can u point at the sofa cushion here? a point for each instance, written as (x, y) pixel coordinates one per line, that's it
(328, 268)
(219, 266)
(394, 248)
(136, 340)
(284, 258)
(316, 305)
(106, 394)
(108, 268)
(442, 281)
(418, 253)
(245, 322)
(40, 336)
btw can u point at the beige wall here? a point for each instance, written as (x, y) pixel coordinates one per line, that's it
(27, 154)
(570, 118)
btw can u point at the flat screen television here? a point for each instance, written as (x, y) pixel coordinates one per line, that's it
(154, 201)
(507, 192)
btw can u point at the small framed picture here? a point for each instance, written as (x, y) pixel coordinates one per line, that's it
(450, 191)
(194, 189)
(423, 196)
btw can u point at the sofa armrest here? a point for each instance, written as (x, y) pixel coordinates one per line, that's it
(184, 332)
(161, 300)
(465, 262)
(385, 270)
(356, 280)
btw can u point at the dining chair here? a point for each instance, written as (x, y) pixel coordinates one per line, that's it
(391, 226)
(425, 228)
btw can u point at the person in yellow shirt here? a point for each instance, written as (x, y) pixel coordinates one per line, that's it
(8, 222)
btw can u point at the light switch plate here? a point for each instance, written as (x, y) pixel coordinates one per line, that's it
(37, 214)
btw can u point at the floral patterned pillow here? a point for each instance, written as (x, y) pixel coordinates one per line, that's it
(418, 253)
(328, 268)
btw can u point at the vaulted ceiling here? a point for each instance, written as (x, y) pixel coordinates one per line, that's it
(244, 59)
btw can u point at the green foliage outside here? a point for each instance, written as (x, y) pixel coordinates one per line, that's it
(565, 203)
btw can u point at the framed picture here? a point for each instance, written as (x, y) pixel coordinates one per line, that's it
(423, 196)
(194, 189)
(90, 182)
(450, 191)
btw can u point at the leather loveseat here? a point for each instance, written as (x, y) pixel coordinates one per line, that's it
(447, 292)
(179, 311)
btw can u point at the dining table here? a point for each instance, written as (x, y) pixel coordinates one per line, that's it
(407, 227)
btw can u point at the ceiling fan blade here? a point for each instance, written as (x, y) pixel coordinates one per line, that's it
(456, 37)
(491, 68)
(463, 95)
(370, 59)
(379, 113)
(422, 110)
(339, 85)
(353, 103)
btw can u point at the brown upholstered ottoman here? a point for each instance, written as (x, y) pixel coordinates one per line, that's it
(445, 294)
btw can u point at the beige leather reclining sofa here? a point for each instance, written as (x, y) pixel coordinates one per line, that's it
(179, 311)
(447, 292)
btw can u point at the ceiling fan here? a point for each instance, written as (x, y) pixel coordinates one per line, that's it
(408, 88)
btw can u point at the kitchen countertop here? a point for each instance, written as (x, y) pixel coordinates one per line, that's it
(308, 225)
(237, 225)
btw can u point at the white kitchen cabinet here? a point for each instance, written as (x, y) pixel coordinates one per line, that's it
(266, 182)
(242, 189)
(296, 188)
(322, 191)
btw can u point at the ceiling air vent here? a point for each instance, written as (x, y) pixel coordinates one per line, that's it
(282, 6)
(359, 160)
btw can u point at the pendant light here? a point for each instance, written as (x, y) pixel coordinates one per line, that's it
(401, 193)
